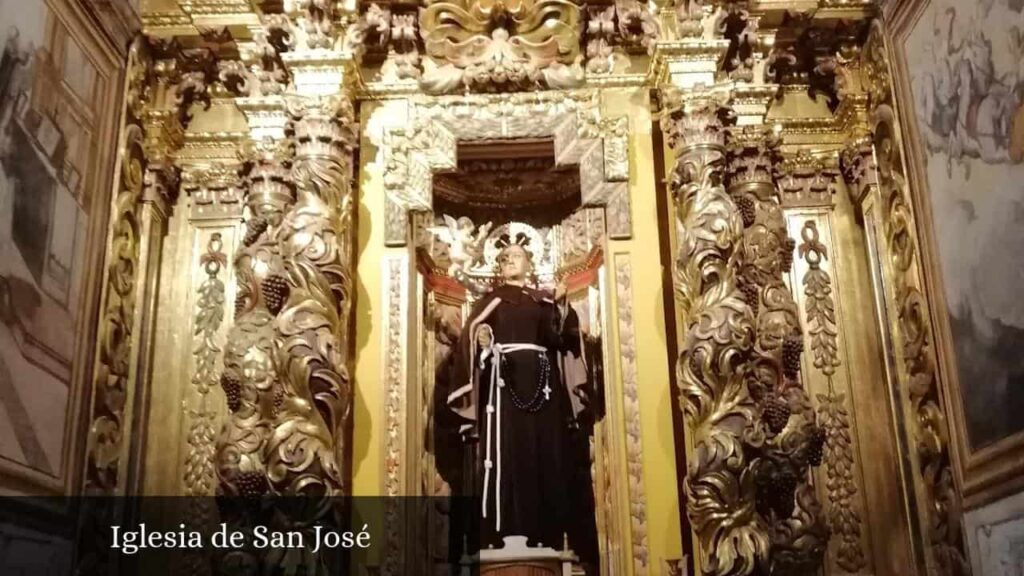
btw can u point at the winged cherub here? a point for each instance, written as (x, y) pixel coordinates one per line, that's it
(466, 247)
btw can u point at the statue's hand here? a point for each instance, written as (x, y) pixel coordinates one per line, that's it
(583, 396)
(468, 434)
(484, 336)
(560, 290)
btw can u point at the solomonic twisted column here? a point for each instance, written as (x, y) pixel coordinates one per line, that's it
(306, 449)
(786, 439)
(753, 428)
(720, 485)
(249, 379)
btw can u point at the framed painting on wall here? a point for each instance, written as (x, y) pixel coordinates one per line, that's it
(959, 72)
(52, 241)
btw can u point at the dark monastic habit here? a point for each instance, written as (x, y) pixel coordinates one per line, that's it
(517, 385)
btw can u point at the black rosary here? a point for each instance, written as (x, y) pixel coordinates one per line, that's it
(543, 392)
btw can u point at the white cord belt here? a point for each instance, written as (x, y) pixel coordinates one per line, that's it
(495, 353)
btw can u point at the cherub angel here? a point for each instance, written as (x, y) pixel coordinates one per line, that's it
(466, 248)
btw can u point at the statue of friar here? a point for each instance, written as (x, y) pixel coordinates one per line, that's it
(518, 390)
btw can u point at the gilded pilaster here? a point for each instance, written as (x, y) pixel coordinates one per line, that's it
(157, 102)
(878, 184)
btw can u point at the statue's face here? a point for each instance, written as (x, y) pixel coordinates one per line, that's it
(514, 263)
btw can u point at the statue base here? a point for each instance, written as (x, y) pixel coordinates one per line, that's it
(515, 558)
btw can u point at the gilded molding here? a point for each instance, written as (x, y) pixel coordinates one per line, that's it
(118, 317)
(807, 180)
(582, 136)
(215, 191)
(631, 413)
(911, 329)
(147, 186)
(394, 411)
(916, 357)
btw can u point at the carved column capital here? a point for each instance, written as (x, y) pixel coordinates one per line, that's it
(216, 191)
(753, 159)
(695, 121)
(267, 175)
(859, 169)
(321, 126)
(807, 180)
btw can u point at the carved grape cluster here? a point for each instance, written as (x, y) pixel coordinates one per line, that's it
(275, 292)
(278, 399)
(816, 446)
(792, 348)
(751, 295)
(251, 484)
(748, 210)
(788, 252)
(233, 390)
(240, 305)
(776, 489)
(776, 413)
(253, 229)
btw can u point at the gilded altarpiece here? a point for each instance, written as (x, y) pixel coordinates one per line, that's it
(722, 199)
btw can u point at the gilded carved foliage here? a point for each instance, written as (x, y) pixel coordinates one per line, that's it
(821, 313)
(754, 428)
(811, 52)
(631, 414)
(484, 45)
(876, 163)
(721, 484)
(209, 315)
(626, 24)
(689, 16)
(840, 483)
(391, 33)
(307, 447)
(311, 23)
(117, 320)
(735, 23)
(259, 72)
(157, 102)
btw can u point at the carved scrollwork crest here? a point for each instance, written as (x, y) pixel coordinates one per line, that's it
(489, 46)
